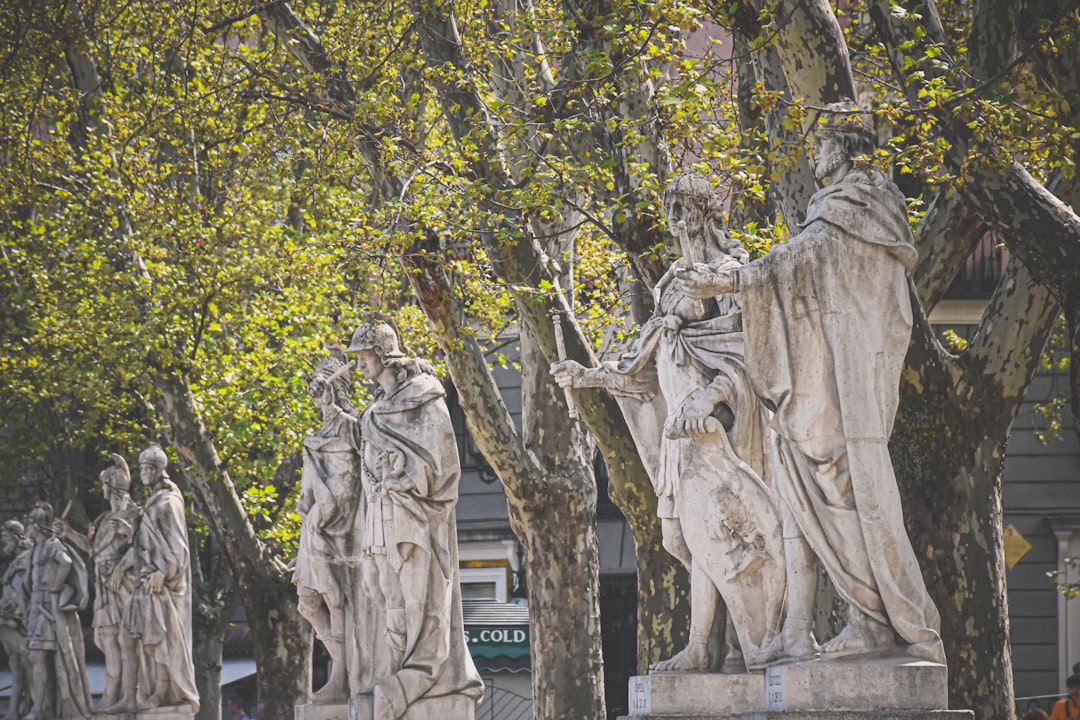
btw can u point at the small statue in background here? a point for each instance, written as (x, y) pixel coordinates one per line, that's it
(58, 591)
(331, 507)
(109, 544)
(14, 602)
(158, 613)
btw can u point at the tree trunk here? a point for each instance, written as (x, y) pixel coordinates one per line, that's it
(283, 646)
(947, 448)
(564, 613)
(206, 651)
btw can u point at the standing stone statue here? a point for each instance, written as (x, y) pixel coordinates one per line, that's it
(700, 431)
(58, 590)
(14, 602)
(410, 471)
(158, 613)
(327, 560)
(109, 545)
(828, 318)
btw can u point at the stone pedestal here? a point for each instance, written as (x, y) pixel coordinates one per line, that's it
(169, 712)
(322, 711)
(891, 688)
(690, 694)
(447, 707)
(892, 682)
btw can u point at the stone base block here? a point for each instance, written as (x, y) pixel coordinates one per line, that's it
(896, 687)
(821, 715)
(447, 707)
(322, 711)
(668, 694)
(169, 712)
(894, 682)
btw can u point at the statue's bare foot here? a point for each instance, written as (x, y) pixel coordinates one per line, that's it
(860, 636)
(151, 702)
(694, 658)
(125, 704)
(792, 645)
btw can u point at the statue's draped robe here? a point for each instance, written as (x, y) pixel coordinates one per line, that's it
(328, 556)
(412, 422)
(827, 318)
(162, 621)
(52, 622)
(14, 592)
(713, 483)
(112, 549)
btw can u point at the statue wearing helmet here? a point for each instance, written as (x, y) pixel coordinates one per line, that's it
(410, 471)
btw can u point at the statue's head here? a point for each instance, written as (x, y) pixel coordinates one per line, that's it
(379, 337)
(117, 477)
(152, 462)
(844, 131)
(12, 534)
(688, 198)
(41, 517)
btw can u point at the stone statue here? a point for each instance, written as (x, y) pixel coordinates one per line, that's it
(410, 472)
(14, 602)
(827, 318)
(58, 590)
(158, 613)
(700, 431)
(327, 560)
(109, 545)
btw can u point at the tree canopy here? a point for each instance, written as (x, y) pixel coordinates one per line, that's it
(195, 197)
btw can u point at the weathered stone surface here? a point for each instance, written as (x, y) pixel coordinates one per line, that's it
(448, 707)
(664, 694)
(701, 434)
(827, 319)
(322, 711)
(157, 617)
(109, 544)
(866, 684)
(378, 563)
(182, 711)
(822, 715)
(58, 589)
(885, 687)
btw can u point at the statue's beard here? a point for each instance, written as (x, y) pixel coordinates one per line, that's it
(829, 165)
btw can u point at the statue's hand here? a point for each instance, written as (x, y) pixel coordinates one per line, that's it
(695, 416)
(155, 583)
(60, 528)
(568, 373)
(398, 485)
(115, 581)
(701, 281)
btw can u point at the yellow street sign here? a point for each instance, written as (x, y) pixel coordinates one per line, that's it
(1016, 546)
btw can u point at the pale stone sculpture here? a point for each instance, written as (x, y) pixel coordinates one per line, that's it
(827, 319)
(410, 477)
(158, 613)
(109, 544)
(707, 462)
(327, 560)
(14, 602)
(58, 590)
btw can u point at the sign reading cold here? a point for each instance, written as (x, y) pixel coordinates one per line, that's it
(496, 636)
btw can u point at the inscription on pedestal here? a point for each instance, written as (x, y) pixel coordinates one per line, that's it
(776, 688)
(640, 697)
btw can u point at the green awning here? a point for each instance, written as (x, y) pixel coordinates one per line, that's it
(499, 647)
